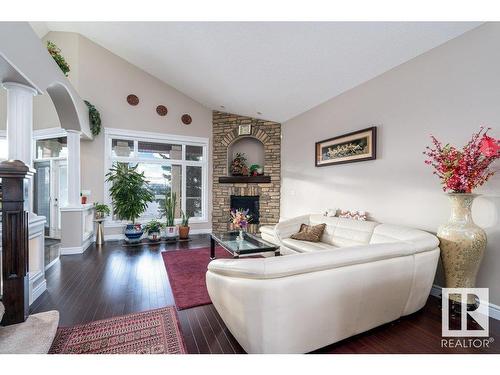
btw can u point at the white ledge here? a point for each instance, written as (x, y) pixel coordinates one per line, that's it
(82, 207)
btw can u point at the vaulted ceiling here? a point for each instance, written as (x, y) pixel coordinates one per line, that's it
(273, 70)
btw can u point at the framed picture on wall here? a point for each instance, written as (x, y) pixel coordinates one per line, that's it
(360, 145)
(245, 129)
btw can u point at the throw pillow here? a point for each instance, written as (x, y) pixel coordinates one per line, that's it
(311, 233)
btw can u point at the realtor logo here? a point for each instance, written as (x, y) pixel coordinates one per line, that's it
(479, 314)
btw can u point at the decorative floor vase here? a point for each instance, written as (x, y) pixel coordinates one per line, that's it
(462, 245)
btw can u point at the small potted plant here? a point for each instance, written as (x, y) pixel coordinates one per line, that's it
(101, 210)
(184, 227)
(153, 230)
(130, 195)
(256, 170)
(167, 210)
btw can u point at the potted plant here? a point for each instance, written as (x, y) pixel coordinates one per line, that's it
(101, 210)
(130, 195)
(184, 227)
(153, 229)
(167, 210)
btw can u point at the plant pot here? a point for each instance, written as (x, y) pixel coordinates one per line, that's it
(462, 245)
(133, 233)
(99, 215)
(154, 236)
(171, 232)
(183, 233)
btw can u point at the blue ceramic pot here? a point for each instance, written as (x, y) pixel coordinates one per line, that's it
(133, 233)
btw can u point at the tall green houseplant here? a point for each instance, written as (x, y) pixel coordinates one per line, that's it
(129, 191)
(167, 209)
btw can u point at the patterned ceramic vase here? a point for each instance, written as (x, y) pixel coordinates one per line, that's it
(133, 233)
(462, 245)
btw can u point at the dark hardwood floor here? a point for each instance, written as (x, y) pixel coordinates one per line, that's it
(113, 280)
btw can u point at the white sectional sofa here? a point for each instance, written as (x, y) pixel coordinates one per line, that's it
(361, 275)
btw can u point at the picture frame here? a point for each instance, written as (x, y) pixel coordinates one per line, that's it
(360, 145)
(245, 129)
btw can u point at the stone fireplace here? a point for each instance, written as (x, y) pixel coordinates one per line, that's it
(260, 193)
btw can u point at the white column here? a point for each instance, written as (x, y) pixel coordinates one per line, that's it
(20, 121)
(73, 168)
(20, 147)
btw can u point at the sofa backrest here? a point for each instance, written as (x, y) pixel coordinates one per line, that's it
(389, 233)
(344, 232)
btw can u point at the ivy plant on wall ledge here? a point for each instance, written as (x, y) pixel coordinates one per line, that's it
(94, 118)
(55, 52)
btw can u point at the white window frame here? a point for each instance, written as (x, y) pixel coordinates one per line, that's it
(136, 137)
(50, 133)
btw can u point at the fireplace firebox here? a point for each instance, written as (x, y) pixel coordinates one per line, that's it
(250, 202)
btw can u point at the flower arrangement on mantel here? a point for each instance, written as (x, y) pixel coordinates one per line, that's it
(240, 218)
(463, 170)
(55, 52)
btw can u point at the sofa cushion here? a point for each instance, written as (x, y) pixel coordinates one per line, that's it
(305, 246)
(310, 233)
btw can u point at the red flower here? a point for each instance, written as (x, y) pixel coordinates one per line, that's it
(462, 170)
(489, 146)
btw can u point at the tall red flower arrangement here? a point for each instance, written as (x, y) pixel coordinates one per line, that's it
(462, 170)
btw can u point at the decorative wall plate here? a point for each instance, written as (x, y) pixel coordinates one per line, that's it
(132, 99)
(186, 119)
(162, 110)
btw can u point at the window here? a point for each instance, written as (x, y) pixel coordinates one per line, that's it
(51, 148)
(170, 164)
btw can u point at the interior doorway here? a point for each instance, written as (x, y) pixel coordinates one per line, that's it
(51, 193)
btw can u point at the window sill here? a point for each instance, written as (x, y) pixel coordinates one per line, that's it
(121, 224)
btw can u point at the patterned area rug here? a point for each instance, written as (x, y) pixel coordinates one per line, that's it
(150, 332)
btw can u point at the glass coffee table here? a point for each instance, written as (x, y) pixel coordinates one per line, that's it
(250, 244)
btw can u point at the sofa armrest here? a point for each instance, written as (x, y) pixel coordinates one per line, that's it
(275, 267)
(286, 228)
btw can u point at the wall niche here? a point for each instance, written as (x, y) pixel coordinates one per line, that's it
(251, 147)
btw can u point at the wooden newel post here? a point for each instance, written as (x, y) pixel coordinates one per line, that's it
(14, 175)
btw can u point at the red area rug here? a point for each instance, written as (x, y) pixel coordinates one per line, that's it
(150, 332)
(186, 271)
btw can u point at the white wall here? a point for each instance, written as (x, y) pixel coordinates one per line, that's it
(105, 80)
(449, 92)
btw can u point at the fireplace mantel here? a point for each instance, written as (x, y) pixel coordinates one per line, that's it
(245, 179)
